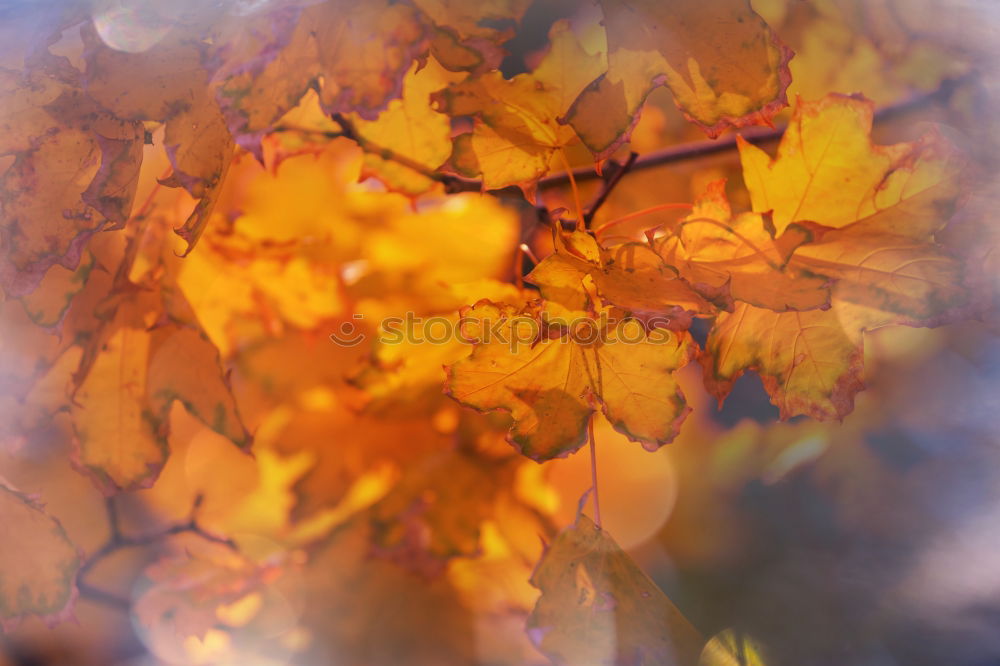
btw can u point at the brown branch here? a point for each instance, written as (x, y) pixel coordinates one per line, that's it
(754, 135)
(670, 155)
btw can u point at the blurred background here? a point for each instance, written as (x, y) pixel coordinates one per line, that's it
(366, 528)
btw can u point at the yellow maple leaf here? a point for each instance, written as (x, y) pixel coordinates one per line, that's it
(829, 171)
(551, 380)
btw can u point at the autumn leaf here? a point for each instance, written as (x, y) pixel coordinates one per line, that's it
(598, 607)
(474, 19)
(436, 511)
(48, 125)
(403, 372)
(810, 362)
(38, 563)
(909, 281)
(413, 129)
(887, 50)
(740, 258)
(469, 36)
(197, 139)
(884, 204)
(552, 378)
(185, 593)
(723, 64)
(829, 171)
(122, 405)
(361, 53)
(475, 55)
(516, 131)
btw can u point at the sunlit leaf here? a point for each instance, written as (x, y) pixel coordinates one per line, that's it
(551, 381)
(121, 409)
(629, 276)
(741, 258)
(517, 130)
(829, 171)
(411, 129)
(810, 362)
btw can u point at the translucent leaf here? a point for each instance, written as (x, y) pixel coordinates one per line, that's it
(829, 171)
(517, 129)
(741, 258)
(121, 409)
(38, 563)
(411, 129)
(630, 276)
(598, 608)
(723, 64)
(551, 378)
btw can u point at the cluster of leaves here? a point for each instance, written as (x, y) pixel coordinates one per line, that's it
(836, 244)
(180, 232)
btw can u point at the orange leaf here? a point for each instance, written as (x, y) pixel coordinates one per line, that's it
(552, 375)
(723, 64)
(38, 562)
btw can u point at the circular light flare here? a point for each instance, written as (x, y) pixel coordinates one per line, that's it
(131, 26)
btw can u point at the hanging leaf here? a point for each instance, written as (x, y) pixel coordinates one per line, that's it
(597, 607)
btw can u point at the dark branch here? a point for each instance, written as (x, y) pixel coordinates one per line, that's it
(118, 541)
(754, 135)
(100, 596)
(613, 174)
(670, 155)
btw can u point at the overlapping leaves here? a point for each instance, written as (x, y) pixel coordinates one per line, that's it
(841, 240)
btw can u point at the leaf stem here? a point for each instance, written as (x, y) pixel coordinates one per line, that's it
(640, 213)
(593, 470)
(576, 192)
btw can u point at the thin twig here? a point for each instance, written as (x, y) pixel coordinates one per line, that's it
(452, 184)
(326, 134)
(613, 175)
